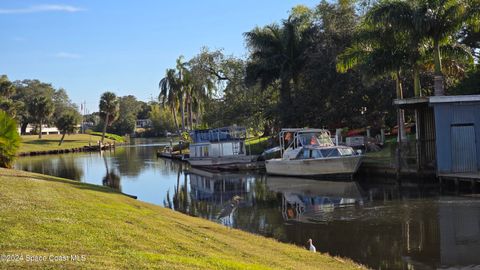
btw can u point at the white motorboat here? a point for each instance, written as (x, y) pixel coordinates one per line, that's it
(311, 152)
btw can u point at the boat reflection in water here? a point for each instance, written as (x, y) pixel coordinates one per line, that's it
(306, 200)
(221, 193)
(381, 226)
(302, 200)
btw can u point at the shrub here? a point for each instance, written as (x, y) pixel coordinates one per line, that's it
(9, 140)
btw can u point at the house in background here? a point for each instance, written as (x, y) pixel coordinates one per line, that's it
(46, 130)
(143, 123)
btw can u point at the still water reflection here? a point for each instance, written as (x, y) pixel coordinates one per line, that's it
(381, 226)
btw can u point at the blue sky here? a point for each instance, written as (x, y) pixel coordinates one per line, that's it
(89, 47)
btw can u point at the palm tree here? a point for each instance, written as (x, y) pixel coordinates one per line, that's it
(195, 89)
(173, 87)
(183, 79)
(401, 15)
(441, 20)
(192, 89)
(379, 52)
(9, 140)
(426, 21)
(40, 108)
(279, 53)
(170, 93)
(109, 107)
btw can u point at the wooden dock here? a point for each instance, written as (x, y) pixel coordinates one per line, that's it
(466, 181)
(467, 176)
(470, 178)
(386, 169)
(169, 155)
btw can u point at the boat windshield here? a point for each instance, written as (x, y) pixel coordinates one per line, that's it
(308, 153)
(330, 152)
(346, 151)
(315, 138)
(335, 152)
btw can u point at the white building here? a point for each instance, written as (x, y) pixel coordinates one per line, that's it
(46, 130)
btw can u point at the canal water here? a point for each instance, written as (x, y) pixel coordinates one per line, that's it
(383, 226)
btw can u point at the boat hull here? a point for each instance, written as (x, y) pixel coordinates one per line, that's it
(219, 161)
(339, 166)
(171, 156)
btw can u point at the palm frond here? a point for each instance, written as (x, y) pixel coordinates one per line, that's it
(9, 140)
(397, 14)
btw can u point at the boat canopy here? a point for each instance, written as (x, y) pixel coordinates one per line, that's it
(232, 133)
(298, 137)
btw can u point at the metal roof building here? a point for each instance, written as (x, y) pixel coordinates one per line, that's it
(453, 124)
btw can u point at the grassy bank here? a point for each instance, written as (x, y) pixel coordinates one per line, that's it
(256, 145)
(42, 215)
(31, 143)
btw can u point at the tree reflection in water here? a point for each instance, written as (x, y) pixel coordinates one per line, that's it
(384, 227)
(59, 165)
(130, 161)
(111, 179)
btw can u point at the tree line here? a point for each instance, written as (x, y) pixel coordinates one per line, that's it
(36, 103)
(335, 65)
(338, 64)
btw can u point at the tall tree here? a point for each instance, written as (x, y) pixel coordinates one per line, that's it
(7, 89)
(183, 78)
(379, 51)
(170, 93)
(26, 90)
(129, 107)
(108, 109)
(62, 102)
(435, 21)
(279, 53)
(9, 140)
(40, 108)
(162, 119)
(404, 17)
(67, 123)
(441, 19)
(211, 73)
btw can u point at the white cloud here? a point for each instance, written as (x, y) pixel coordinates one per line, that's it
(67, 55)
(41, 8)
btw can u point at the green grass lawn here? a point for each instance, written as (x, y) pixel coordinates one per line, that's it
(386, 154)
(42, 215)
(256, 145)
(31, 143)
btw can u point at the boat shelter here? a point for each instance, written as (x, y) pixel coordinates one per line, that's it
(448, 133)
(218, 142)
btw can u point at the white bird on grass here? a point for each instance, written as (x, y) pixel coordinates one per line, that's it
(311, 247)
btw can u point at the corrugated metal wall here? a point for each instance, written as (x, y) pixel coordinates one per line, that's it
(451, 157)
(464, 150)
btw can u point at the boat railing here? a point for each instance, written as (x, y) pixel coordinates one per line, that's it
(292, 138)
(219, 134)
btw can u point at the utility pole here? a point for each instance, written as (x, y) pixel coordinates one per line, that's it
(83, 110)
